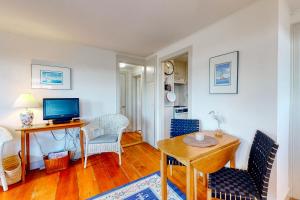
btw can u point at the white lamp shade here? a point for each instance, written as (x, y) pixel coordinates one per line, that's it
(26, 101)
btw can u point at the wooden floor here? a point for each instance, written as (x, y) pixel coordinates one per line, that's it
(131, 138)
(102, 174)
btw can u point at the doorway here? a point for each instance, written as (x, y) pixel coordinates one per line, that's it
(174, 89)
(130, 101)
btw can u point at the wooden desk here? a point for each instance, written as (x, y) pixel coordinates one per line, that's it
(25, 143)
(206, 160)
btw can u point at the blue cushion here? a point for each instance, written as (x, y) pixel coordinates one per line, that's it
(109, 138)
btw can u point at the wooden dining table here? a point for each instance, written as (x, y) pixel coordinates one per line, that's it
(206, 160)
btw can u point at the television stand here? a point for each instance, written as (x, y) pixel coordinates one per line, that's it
(61, 121)
(25, 140)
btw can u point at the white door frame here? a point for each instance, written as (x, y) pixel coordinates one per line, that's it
(125, 76)
(160, 88)
(132, 60)
(135, 102)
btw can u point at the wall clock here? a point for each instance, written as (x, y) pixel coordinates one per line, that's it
(169, 68)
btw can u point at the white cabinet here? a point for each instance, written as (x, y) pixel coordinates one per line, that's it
(180, 72)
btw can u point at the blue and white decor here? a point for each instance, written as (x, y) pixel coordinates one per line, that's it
(223, 74)
(146, 188)
(50, 77)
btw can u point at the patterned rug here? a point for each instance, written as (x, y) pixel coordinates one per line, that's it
(146, 188)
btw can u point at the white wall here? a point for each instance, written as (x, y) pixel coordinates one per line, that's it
(149, 100)
(283, 98)
(93, 80)
(253, 32)
(295, 17)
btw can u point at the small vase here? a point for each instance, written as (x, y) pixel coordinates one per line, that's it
(219, 133)
(26, 118)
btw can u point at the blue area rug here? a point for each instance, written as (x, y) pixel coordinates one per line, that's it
(146, 188)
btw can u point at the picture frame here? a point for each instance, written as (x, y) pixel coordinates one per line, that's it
(50, 77)
(223, 73)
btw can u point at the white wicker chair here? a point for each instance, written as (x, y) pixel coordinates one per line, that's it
(5, 136)
(104, 134)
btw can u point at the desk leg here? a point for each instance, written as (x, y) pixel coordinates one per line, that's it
(232, 161)
(27, 137)
(81, 146)
(189, 182)
(23, 155)
(163, 175)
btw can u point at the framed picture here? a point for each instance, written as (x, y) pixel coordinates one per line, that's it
(223, 73)
(50, 77)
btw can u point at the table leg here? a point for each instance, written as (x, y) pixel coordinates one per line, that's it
(81, 146)
(232, 161)
(27, 137)
(189, 182)
(205, 180)
(23, 155)
(163, 175)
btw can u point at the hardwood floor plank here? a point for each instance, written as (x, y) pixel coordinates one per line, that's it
(50, 182)
(67, 187)
(87, 182)
(102, 174)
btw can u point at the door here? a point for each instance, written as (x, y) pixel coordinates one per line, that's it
(295, 116)
(123, 94)
(138, 103)
(149, 95)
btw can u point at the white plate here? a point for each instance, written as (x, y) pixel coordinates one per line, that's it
(171, 96)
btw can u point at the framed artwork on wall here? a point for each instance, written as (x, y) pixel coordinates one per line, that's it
(50, 77)
(223, 73)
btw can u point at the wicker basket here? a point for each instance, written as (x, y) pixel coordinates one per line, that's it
(13, 169)
(54, 165)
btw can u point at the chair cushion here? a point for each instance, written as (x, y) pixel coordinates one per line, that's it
(232, 184)
(109, 138)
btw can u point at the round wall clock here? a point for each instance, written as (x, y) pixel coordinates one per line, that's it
(169, 68)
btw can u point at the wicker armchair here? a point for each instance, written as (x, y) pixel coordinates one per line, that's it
(5, 136)
(104, 134)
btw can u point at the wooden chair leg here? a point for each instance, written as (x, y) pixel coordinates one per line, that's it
(171, 170)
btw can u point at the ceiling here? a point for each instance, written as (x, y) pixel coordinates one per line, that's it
(138, 27)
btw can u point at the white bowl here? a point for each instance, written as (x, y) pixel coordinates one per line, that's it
(199, 136)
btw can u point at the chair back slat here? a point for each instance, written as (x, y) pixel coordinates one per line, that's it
(261, 159)
(111, 123)
(183, 126)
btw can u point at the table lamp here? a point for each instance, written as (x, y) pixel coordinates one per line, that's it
(26, 101)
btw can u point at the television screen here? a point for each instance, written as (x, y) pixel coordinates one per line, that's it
(60, 108)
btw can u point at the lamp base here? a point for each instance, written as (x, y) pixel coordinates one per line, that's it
(26, 118)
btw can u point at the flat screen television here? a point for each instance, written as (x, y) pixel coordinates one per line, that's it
(60, 110)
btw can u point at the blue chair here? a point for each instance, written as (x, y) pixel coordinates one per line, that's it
(181, 127)
(248, 184)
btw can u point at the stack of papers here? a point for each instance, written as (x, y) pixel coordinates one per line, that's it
(56, 155)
